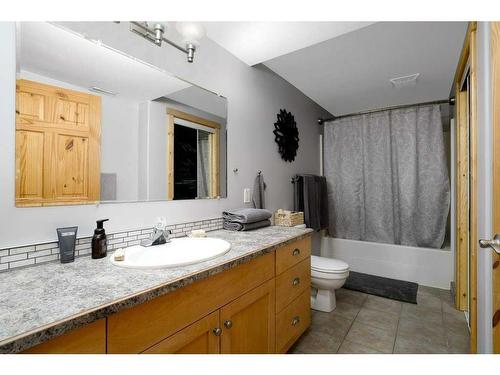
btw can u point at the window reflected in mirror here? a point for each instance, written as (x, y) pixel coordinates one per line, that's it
(194, 170)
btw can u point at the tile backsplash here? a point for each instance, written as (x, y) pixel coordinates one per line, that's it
(22, 256)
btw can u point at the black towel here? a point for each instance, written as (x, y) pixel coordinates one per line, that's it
(310, 196)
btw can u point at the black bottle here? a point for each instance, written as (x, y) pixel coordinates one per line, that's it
(99, 241)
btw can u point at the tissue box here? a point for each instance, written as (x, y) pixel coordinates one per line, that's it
(286, 218)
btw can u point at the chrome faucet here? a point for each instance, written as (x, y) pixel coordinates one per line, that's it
(160, 234)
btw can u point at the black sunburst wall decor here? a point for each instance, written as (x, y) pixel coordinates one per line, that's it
(286, 135)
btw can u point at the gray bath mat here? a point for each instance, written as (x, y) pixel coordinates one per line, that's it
(399, 290)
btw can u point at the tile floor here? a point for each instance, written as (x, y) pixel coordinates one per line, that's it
(364, 323)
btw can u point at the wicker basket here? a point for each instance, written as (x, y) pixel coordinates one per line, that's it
(288, 218)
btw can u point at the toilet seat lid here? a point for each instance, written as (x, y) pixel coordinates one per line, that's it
(328, 265)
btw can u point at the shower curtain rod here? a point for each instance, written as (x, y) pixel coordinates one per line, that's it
(450, 101)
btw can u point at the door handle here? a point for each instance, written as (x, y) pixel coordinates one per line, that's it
(494, 243)
(228, 324)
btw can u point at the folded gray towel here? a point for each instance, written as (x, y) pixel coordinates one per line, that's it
(232, 225)
(246, 215)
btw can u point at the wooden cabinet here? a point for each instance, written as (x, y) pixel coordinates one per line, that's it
(293, 300)
(291, 254)
(246, 309)
(167, 314)
(291, 283)
(292, 321)
(90, 339)
(244, 326)
(57, 145)
(201, 337)
(248, 323)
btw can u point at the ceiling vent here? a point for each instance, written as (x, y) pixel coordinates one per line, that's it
(405, 81)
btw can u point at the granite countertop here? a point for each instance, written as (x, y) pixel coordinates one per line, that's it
(42, 302)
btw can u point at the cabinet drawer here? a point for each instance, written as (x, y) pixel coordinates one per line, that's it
(293, 321)
(138, 328)
(291, 283)
(291, 254)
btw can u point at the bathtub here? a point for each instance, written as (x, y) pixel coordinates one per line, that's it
(425, 266)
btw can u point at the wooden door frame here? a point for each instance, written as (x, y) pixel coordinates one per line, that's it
(466, 232)
(214, 140)
(495, 79)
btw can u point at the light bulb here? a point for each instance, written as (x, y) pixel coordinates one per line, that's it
(191, 32)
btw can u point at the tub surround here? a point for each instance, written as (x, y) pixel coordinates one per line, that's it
(425, 266)
(40, 303)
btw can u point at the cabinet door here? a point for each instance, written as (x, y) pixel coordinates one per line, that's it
(201, 337)
(248, 323)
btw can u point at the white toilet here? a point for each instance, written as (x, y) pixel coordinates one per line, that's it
(327, 275)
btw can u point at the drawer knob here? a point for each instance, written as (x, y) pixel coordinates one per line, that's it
(295, 320)
(228, 324)
(217, 331)
(296, 252)
(296, 281)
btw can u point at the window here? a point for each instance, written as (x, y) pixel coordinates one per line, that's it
(193, 156)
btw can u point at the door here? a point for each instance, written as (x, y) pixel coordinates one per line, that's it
(57, 145)
(201, 337)
(248, 323)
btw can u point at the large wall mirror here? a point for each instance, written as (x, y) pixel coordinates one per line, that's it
(95, 125)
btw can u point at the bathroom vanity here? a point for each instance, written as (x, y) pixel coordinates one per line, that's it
(254, 299)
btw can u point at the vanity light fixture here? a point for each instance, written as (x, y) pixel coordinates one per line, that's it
(190, 31)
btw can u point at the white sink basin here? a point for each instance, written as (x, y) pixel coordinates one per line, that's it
(178, 252)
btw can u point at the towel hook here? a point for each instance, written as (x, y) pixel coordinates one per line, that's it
(259, 173)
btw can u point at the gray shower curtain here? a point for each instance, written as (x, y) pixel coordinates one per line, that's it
(387, 177)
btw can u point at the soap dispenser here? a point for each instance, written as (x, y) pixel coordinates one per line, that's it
(99, 241)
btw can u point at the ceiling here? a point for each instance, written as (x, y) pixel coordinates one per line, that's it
(351, 72)
(202, 100)
(55, 53)
(256, 42)
(343, 66)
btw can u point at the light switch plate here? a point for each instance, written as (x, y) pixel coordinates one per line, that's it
(246, 195)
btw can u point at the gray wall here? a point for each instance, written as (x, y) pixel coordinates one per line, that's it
(119, 146)
(254, 98)
(158, 150)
